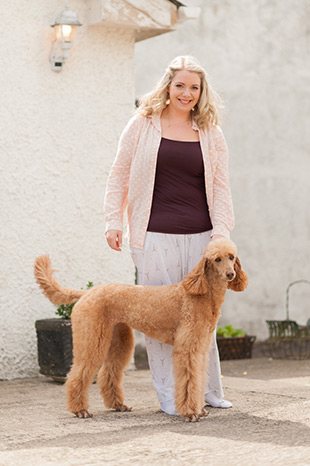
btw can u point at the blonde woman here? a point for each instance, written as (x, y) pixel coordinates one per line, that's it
(171, 172)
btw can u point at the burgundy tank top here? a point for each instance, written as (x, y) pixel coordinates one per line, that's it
(179, 199)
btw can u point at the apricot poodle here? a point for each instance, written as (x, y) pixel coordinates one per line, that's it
(183, 315)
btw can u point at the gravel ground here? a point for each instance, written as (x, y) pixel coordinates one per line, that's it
(268, 424)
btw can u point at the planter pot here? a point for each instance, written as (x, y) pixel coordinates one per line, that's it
(54, 338)
(287, 348)
(235, 347)
(229, 348)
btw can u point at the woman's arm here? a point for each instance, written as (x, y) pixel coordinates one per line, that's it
(118, 183)
(223, 214)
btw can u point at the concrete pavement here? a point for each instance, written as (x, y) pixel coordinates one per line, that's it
(268, 424)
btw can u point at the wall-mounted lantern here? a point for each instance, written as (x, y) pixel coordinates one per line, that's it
(65, 27)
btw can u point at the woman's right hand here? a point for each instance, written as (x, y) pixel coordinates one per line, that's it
(114, 239)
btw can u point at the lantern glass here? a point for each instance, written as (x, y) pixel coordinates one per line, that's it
(65, 34)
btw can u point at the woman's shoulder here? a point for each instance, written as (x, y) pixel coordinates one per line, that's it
(134, 125)
(136, 121)
(214, 131)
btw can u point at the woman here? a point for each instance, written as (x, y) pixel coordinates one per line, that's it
(171, 172)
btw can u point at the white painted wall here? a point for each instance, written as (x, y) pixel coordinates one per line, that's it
(257, 55)
(59, 134)
(58, 138)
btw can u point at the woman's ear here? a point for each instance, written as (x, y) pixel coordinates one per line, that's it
(195, 282)
(240, 282)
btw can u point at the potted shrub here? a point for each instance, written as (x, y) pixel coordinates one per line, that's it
(54, 342)
(233, 343)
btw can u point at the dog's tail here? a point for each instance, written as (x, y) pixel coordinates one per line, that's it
(53, 291)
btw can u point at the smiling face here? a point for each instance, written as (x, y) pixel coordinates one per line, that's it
(184, 90)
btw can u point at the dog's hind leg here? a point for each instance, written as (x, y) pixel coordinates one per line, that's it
(89, 350)
(110, 377)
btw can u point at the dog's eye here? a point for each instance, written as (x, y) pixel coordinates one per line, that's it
(218, 259)
(231, 258)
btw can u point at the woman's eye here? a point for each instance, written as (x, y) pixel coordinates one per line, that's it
(218, 259)
(178, 85)
(195, 88)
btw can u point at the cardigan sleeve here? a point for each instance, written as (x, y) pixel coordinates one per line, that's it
(115, 201)
(223, 214)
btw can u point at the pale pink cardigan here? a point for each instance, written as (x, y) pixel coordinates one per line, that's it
(131, 180)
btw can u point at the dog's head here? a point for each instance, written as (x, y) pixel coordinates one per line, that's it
(219, 263)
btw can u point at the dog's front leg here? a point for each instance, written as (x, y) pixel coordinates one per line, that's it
(189, 371)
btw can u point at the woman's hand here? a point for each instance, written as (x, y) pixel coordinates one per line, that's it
(114, 239)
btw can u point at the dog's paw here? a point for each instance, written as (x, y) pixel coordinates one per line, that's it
(192, 418)
(196, 417)
(83, 414)
(123, 408)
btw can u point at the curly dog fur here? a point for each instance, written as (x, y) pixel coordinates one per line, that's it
(183, 315)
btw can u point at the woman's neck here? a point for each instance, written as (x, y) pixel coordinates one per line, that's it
(174, 117)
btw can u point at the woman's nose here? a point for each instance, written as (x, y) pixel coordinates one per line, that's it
(186, 91)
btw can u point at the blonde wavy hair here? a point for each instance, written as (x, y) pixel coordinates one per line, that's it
(208, 106)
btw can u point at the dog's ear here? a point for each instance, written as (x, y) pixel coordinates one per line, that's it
(240, 282)
(196, 282)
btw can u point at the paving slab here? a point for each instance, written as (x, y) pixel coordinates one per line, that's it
(269, 422)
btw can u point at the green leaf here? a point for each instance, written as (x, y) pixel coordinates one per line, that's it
(65, 310)
(228, 331)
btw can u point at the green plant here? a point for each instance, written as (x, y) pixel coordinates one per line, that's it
(64, 311)
(228, 331)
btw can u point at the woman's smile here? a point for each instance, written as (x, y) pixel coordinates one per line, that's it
(184, 102)
(184, 90)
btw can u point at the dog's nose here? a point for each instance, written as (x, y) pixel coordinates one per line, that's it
(230, 275)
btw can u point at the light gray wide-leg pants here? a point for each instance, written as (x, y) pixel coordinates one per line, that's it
(165, 260)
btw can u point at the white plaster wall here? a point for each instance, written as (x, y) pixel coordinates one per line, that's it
(257, 55)
(58, 138)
